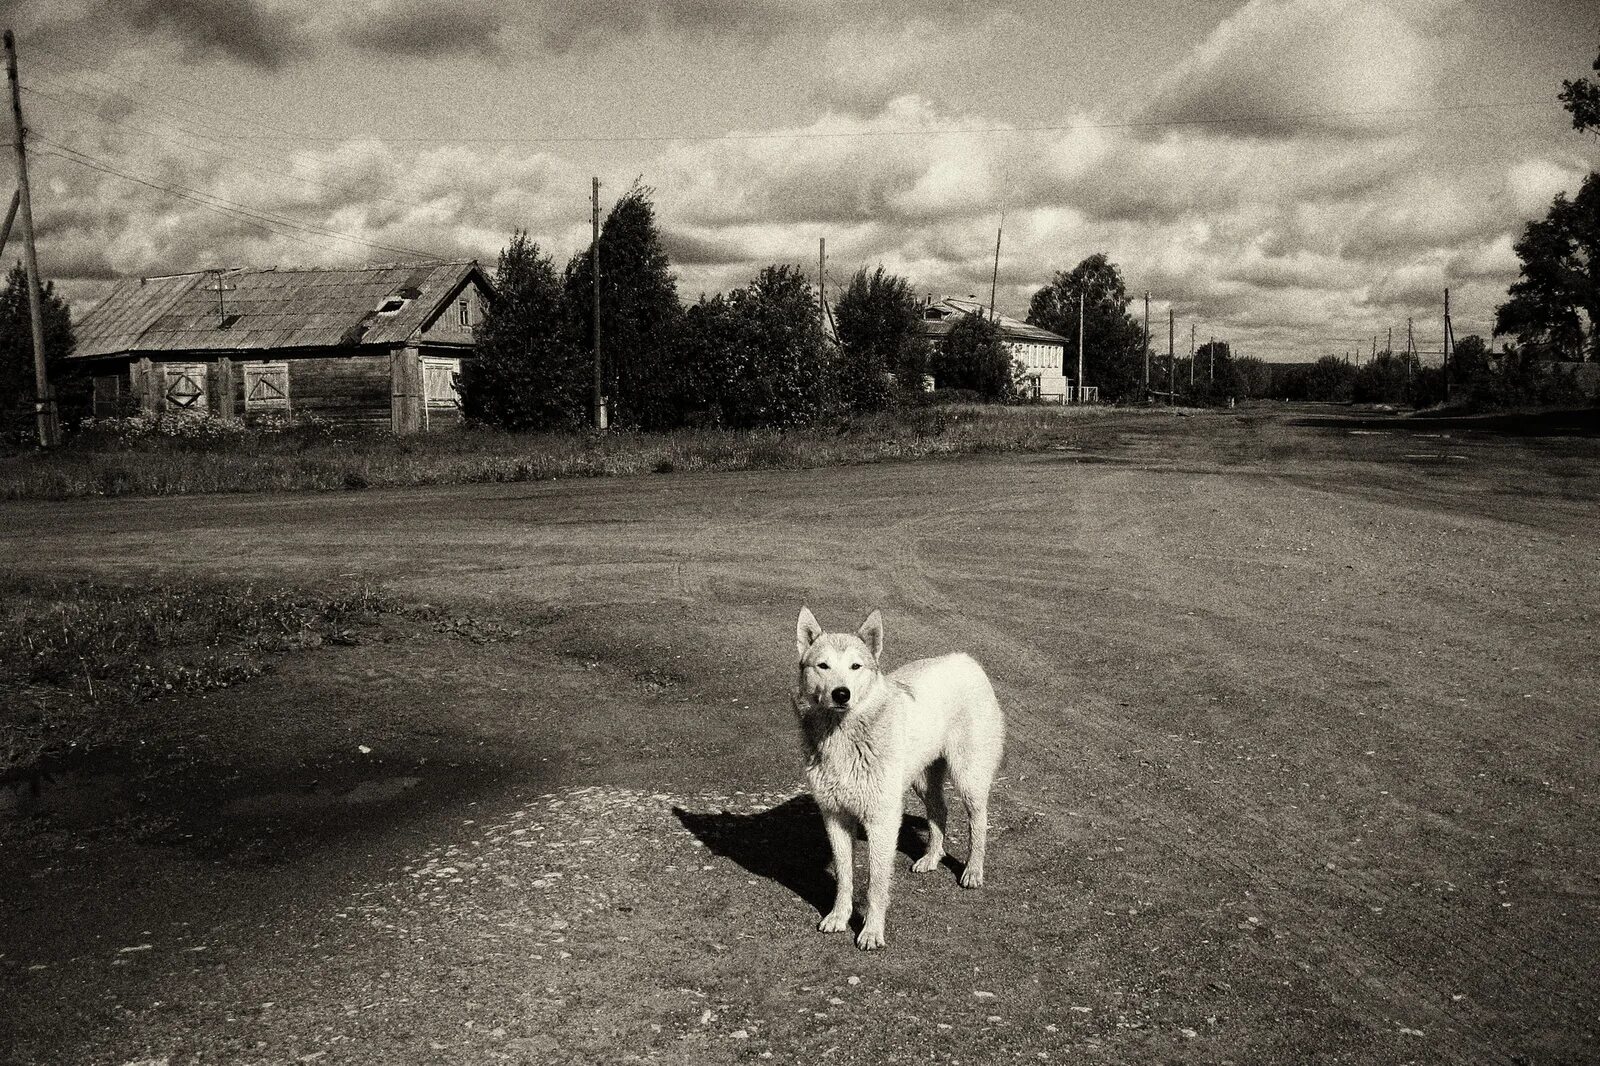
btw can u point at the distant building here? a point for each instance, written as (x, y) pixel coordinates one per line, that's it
(365, 344)
(1040, 350)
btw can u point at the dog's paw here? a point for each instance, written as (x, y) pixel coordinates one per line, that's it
(870, 939)
(928, 862)
(834, 922)
(972, 877)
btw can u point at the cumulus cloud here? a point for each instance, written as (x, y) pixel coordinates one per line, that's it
(1278, 68)
(246, 31)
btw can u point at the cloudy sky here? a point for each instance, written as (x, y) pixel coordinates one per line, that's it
(1293, 175)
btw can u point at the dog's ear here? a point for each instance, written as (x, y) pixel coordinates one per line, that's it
(871, 633)
(806, 632)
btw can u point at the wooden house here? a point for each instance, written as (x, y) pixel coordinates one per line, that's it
(1040, 351)
(366, 344)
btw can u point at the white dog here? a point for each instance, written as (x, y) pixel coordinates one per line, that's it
(868, 735)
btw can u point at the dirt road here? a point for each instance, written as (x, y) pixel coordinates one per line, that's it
(1303, 768)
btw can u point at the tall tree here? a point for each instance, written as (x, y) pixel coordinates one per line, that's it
(1559, 284)
(639, 312)
(17, 391)
(527, 374)
(1560, 253)
(775, 368)
(877, 318)
(1113, 342)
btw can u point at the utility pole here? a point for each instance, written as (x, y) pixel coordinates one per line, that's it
(599, 386)
(1083, 293)
(1172, 361)
(822, 285)
(1388, 341)
(1147, 341)
(994, 281)
(44, 407)
(1191, 357)
(1449, 343)
(1411, 349)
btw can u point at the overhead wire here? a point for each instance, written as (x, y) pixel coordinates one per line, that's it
(186, 139)
(222, 203)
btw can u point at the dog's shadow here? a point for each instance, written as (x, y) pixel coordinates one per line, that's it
(786, 844)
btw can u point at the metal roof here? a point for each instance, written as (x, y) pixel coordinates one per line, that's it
(1011, 329)
(270, 309)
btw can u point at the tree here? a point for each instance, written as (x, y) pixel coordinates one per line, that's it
(1330, 379)
(527, 374)
(756, 356)
(1582, 99)
(877, 318)
(1560, 253)
(1113, 342)
(1470, 359)
(17, 386)
(973, 356)
(1214, 379)
(1559, 284)
(639, 312)
(1252, 377)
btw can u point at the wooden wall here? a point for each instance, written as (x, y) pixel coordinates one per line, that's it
(447, 328)
(357, 388)
(350, 388)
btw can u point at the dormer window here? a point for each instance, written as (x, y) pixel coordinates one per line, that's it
(391, 305)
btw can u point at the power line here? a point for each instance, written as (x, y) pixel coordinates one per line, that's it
(247, 162)
(210, 199)
(228, 212)
(1157, 123)
(801, 135)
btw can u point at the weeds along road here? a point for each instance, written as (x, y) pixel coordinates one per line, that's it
(1302, 768)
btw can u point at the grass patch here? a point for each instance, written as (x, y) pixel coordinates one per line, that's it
(84, 665)
(328, 458)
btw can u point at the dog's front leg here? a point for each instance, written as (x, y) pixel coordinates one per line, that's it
(882, 834)
(842, 842)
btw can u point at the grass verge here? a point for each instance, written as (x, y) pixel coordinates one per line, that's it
(85, 666)
(330, 458)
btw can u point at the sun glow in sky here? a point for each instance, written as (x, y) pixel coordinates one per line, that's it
(1296, 176)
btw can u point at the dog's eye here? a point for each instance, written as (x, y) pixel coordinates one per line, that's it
(822, 666)
(855, 666)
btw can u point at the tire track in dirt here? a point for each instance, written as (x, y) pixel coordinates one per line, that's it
(1389, 979)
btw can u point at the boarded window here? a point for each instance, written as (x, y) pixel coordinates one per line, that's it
(184, 387)
(266, 387)
(439, 382)
(107, 395)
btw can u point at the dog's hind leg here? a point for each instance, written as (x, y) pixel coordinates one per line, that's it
(841, 832)
(930, 790)
(975, 796)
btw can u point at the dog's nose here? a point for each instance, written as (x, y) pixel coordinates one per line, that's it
(841, 695)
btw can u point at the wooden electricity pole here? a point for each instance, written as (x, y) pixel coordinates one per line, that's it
(1147, 341)
(994, 280)
(594, 264)
(44, 407)
(1083, 294)
(1449, 343)
(1191, 357)
(822, 285)
(1172, 360)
